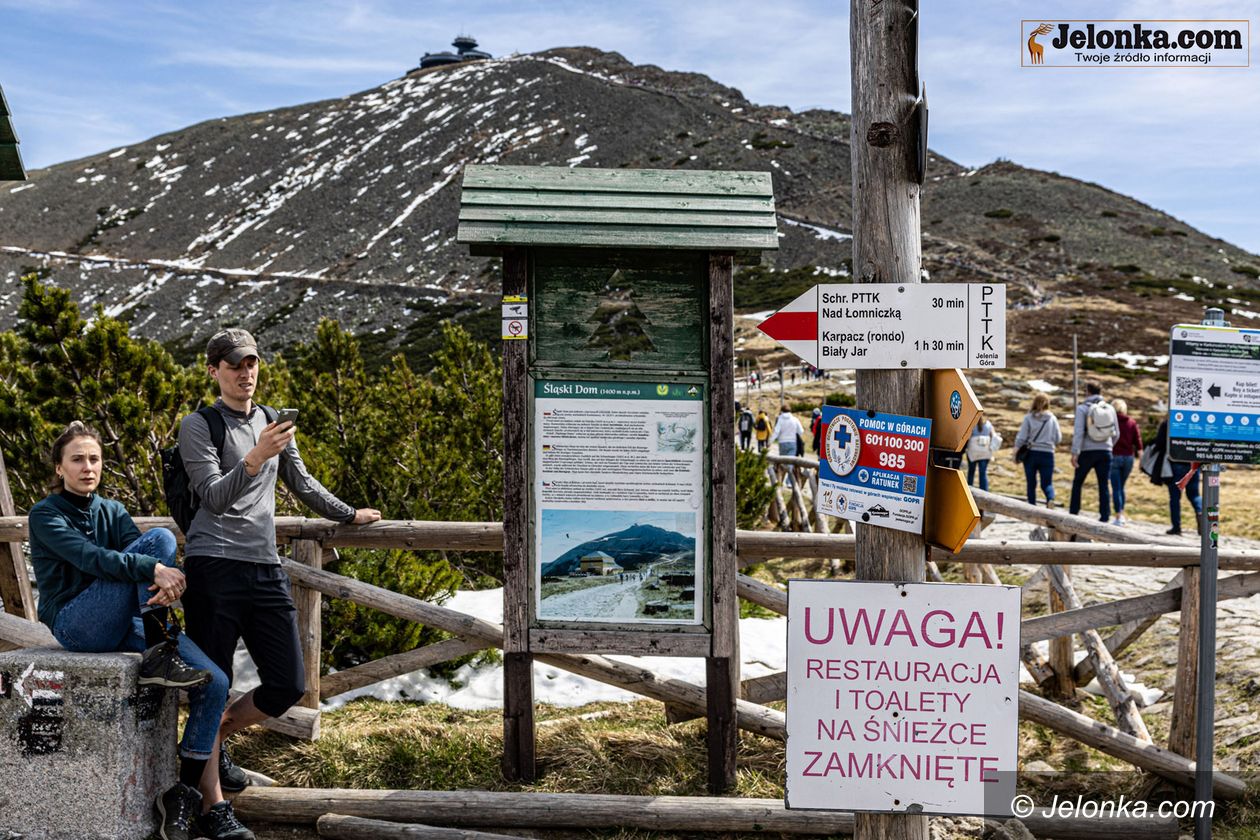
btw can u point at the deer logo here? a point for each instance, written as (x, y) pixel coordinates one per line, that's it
(1035, 50)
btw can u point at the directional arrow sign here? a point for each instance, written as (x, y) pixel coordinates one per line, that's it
(951, 513)
(886, 325)
(954, 409)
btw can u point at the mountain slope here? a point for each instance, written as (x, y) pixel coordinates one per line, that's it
(347, 207)
(630, 548)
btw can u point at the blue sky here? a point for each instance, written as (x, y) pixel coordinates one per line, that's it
(86, 75)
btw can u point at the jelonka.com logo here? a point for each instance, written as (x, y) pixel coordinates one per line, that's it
(1186, 44)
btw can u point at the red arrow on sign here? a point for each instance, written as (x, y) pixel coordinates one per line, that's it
(795, 326)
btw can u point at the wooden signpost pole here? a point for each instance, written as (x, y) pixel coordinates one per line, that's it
(883, 38)
(722, 665)
(518, 663)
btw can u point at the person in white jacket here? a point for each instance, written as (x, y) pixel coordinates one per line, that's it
(786, 430)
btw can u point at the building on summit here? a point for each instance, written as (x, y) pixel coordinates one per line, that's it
(466, 50)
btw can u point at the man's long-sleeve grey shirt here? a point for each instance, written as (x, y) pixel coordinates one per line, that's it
(237, 517)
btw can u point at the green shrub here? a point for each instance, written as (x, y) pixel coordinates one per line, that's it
(1000, 213)
(802, 406)
(1249, 270)
(761, 141)
(753, 491)
(354, 634)
(840, 398)
(1127, 268)
(1109, 214)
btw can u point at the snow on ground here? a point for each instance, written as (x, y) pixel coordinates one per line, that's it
(1043, 386)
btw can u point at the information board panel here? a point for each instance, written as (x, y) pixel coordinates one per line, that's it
(1214, 395)
(902, 697)
(873, 467)
(619, 501)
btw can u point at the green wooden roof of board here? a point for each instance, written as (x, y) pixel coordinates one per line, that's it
(11, 168)
(617, 208)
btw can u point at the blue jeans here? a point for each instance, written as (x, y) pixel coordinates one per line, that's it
(1039, 464)
(106, 617)
(983, 465)
(1121, 467)
(1179, 471)
(1097, 461)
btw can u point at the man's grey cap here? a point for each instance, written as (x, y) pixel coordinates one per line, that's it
(231, 346)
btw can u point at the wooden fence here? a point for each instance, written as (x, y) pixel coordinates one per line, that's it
(309, 539)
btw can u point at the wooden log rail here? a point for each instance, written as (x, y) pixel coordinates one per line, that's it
(473, 810)
(753, 546)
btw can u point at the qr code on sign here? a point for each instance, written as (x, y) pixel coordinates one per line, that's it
(909, 484)
(1189, 391)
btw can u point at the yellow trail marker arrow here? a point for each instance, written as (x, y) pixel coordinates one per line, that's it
(950, 513)
(953, 407)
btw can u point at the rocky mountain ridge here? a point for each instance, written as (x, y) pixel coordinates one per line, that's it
(347, 208)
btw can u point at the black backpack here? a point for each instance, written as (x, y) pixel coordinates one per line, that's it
(181, 500)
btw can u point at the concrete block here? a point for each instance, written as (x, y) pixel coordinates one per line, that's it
(83, 749)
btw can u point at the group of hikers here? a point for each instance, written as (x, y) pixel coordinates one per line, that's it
(1106, 442)
(106, 587)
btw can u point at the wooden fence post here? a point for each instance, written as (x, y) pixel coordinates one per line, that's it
(309, 605)
(15, 583)
(1181, 734)
(1062, 653)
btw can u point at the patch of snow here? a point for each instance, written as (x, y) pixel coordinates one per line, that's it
(1043, 386)
(819, 232)
(19, 189)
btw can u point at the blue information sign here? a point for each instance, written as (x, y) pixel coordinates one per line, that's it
(873, 467)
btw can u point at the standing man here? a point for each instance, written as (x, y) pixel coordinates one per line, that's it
(237, 589)
(1093, 433)
(745, 428)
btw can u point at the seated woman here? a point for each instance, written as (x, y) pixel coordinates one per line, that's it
(104, 587)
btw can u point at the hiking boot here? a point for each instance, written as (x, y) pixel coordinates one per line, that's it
(220, 823)
(176, 809)
(1176, 532)
(162, 666)
(231, 777)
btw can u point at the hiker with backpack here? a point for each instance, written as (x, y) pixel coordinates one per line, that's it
(1127, 448)
(103, 586)
(233, 452)
(1094, 432)
(762, 427)
(746, 421)
(1038, 435)
(984, 441)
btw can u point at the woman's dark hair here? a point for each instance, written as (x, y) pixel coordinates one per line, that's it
(77, 429)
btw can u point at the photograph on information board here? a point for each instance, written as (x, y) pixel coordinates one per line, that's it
(619, 502)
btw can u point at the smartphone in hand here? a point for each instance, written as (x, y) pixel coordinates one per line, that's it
(287, 415)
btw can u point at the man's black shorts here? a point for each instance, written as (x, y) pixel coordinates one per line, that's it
(231, 600)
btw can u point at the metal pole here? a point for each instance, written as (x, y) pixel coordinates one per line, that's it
(1076, 387)
(1205, 717)
(780, 384)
